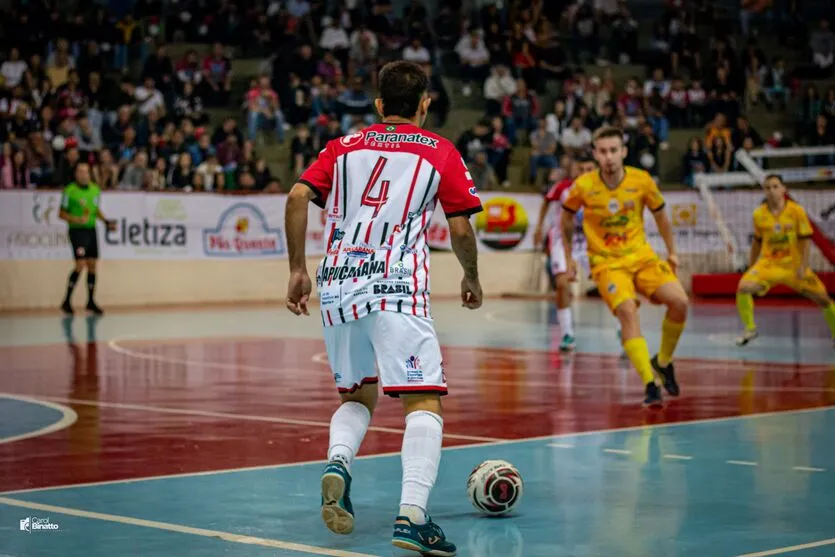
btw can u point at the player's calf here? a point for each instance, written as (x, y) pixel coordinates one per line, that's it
(420, 456)
(745, 308)
(564, 316)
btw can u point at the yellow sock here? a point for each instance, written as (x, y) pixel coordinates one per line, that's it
(829, 315)
(638, 352)
(670, 333)
(745, 307)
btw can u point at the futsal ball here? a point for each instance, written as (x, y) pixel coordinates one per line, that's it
(495, 487)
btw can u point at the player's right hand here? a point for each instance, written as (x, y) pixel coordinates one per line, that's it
(572, 270)
(471, 295)
(298, 292)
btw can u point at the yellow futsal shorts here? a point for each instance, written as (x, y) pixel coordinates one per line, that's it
(767, 275)
(618, 284)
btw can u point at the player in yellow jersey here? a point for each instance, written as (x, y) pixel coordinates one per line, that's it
(623, 264)
(779, 255)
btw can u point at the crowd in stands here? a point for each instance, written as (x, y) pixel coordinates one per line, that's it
(541, 69)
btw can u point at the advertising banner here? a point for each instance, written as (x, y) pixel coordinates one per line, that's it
(198, 226)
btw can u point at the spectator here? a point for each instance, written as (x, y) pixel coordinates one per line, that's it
(356, 103)
(149, 98)
(695, 161)
(135, 176)
(440, 98)
(39, 157)
(719, 153)
(776, 86)
(209, 174)
(484, 177)
(217, 75)
(87, 137)
(14, 171)
(160, 69)
(189, 104)
(106, 171)
(263, 110)
(717, 127)
(543, 150)
(229, 127)
(474, 140)
(820, 135)
(631, 103)
(807, 112)
(520, 111)
(744, 131)
(416, 52)
(181, 175)
(329, 69)
(13, 69)
(157, 175)
(696, 104)
(474, 58)
(363, 55)
(333, 38)
(498, 150)
(657, 83)
(822, 44)
(644, 149)
(677, 104)
(576, 139)
(201, 150)
(660, 127)
(497, 87)
(302, 150)
(189, 70)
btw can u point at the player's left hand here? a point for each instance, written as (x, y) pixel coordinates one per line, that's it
(672, 259)
(111, 225)
(298, 292)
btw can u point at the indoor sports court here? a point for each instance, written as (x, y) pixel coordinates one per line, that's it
(202, 433)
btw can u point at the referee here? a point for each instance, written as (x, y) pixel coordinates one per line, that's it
(80, 208)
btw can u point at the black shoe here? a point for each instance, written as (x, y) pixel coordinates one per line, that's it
(668, 376)
(93, 308)
(652, 398)
(66, 307)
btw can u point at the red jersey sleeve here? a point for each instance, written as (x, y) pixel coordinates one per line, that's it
(319, 175)
(456, 191)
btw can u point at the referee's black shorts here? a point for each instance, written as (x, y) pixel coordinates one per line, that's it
(85, 243)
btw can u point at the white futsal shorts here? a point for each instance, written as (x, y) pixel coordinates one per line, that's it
(556, 253)
(404, 348)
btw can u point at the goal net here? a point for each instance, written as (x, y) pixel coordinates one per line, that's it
(717, 237)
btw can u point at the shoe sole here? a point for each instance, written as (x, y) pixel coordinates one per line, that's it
(410, 545)
(567, 348)
(337, 519)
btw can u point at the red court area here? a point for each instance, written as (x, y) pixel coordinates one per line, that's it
(166, 407)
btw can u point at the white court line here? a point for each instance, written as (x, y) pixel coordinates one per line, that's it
(790, 549)
(455, 448)
(68, 417)
(618, 451)
(561, 445)
(231, 416)
(226, 536)
(678, 457)
(808, 469)
(742, 462)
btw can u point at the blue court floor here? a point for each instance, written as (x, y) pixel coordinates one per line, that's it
(743, 464)
(726, 487)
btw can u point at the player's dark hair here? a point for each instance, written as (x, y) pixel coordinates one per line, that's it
(402, 87)
(606, 132)
(770, 176)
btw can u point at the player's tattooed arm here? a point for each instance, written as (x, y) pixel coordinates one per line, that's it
(295, 224)
(462, 237)
(567, 224)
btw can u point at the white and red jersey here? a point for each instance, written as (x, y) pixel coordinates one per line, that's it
(555, 196)
(380, 187)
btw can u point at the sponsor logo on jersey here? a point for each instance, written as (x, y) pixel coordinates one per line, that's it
(406, 249)
(338, 235)
(242, 231)
(613, 206)
(392, 289)
(503, 223)
(473, 191)
(377, 138)
(629, 205)
(399, 270)
(358, 251)
(351, 140)
(346, 272)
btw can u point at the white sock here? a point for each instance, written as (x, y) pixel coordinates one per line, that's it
(565, 320)
(348, 426)
(420, 456)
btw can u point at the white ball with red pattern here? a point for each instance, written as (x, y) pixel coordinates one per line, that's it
(495, 487)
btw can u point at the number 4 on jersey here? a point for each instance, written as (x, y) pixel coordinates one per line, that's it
(367, 198)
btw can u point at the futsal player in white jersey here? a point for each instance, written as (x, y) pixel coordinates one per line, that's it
(380, 187)
(556, 256)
